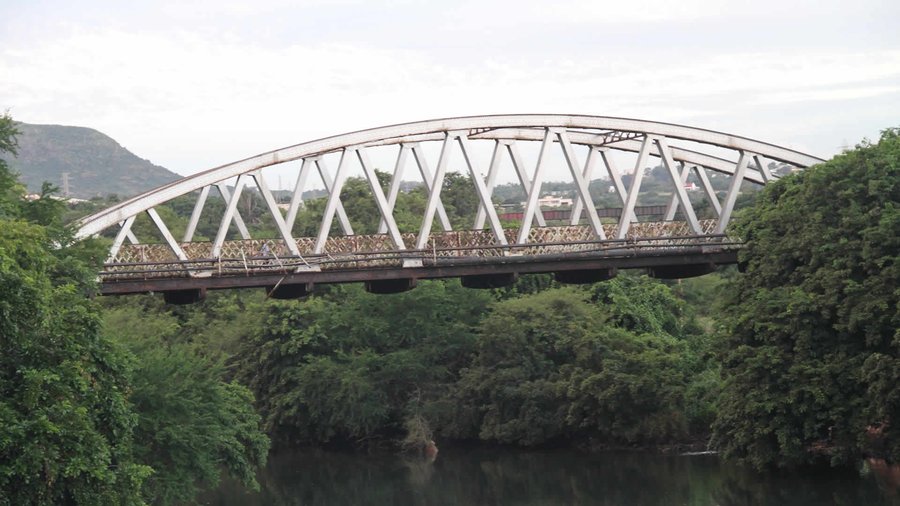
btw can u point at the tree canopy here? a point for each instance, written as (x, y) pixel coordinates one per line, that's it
(811, 333)
(83, 418)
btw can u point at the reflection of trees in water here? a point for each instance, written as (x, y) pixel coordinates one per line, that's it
(509, 477)
(886, 475)
(809, 487)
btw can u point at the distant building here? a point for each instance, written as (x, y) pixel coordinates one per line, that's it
(67, 200)
(553, 201)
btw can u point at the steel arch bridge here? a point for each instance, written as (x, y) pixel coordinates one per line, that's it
(589, 245)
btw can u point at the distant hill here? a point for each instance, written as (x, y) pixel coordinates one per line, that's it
(97, 165)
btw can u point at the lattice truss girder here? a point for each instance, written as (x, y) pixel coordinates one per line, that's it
(555, 136)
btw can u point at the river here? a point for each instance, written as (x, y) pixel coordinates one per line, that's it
(502, 476)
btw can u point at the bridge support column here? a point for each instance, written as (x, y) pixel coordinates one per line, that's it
(289, 291)
(585, 276)
(489, 280)
(182, 297)
(680, 271)
(385, 286)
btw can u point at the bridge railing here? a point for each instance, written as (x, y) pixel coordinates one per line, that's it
(252, 256)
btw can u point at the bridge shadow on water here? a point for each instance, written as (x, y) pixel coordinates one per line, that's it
(502, 476)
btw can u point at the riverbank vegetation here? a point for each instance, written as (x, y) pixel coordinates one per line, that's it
(86, 415)
(811, 329)
(129, 400)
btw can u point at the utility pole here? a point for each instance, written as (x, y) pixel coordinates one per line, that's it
(65, 184)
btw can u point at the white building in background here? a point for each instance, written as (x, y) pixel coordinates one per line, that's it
(67, 200)
(554, 201)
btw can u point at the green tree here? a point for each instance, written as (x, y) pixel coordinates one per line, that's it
(346, 365)
(65, 421)
(193, 425)
(558, 365)
(811, 346)
(82, 419)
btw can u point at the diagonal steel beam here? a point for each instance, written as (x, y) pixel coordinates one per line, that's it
(276, 213)
(589, 163)
(334, 201)
(297, 196)
(434, 192)
(708, 189)
(524, 179)
(396, 179)
(425, 172)
(672, 207)
(616, 177)
(686, 205)
(535, 191)
(631, 197)
(483, 194)
(493, 169)
(124, 231)
(230, 212)
(733, 190)
(329, 187)
(238, 220)
(386, 214)
(195, 214)
(763, 169)
(583, 193)
(167, 235)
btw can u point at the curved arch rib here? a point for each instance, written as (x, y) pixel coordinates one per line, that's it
(523, 127)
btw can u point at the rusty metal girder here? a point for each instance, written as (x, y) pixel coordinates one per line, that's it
(449, 268)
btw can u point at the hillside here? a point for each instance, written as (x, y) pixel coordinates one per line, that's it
(97, 165)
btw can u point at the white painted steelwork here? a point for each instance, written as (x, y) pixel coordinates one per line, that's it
(556, 134)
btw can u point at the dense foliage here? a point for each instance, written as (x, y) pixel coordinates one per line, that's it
(65, 421)
(348, 365)
(130, 400)
(811, 346)
(575, 364)
(83, 419)
(191, 424)
(561, 365)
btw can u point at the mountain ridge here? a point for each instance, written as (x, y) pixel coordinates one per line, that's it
(96, 164)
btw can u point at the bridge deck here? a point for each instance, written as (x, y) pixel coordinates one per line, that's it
(266, 262)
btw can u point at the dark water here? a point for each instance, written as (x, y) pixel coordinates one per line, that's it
(512, 477)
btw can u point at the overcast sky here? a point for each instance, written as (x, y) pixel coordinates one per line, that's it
(192, 85)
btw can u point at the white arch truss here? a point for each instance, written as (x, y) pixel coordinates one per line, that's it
(682, 150)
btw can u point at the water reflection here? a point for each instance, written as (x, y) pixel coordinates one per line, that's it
(511, 477)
